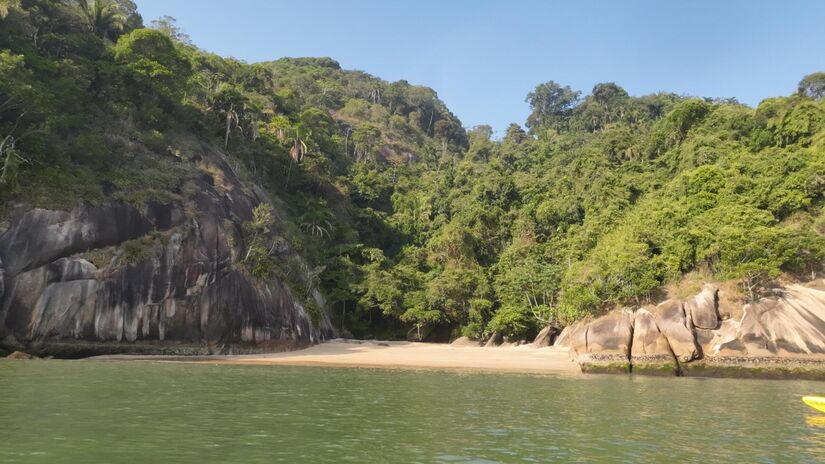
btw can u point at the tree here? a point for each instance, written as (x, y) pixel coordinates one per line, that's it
(515, 134)
(259, 246)
(104, 18)
(168, 26)
(512, 321)
(316, 219)
(158, 69)
(419, 315)
(366, 139)
(551, 104)
(813, 86)
(607, 94)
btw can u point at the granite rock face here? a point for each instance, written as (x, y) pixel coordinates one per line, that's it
(611, 334)
(703, 308)
(648, 340)
(544, 337)
(791, 324)
(495, 340)
(185, 284)
(465, 341)
(672, 322)
(780, 336)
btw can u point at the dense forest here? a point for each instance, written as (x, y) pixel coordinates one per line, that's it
(415, 226)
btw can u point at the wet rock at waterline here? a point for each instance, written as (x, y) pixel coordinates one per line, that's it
(650, 351)
(648, 340)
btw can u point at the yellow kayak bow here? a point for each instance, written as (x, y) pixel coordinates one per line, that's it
(816, 402)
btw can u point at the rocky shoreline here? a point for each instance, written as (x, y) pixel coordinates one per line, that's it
(777, 337)
(163, 279)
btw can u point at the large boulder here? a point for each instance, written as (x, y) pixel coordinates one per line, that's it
(39, 236)
(465, 341)
(611, 333)
(650, 352)
(578, 337)
(27, 294)
(671, 320)
(544, 337)
(495, 340)
(563, 340)
(648, 340)
(791, 324)
(603, 345)
(703, 308)
(713, 341)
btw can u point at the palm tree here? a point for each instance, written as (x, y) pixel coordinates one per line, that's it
(316, 220)
(103, 17)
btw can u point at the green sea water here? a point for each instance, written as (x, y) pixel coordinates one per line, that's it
(135, 412)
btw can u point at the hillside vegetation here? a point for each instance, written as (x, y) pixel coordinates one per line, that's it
(416, 227)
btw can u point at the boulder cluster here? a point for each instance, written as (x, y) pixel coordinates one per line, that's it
(685, 336)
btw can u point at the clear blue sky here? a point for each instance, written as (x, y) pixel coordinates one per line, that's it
(483, 57)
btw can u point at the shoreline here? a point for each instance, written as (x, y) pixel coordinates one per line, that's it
(523, 359)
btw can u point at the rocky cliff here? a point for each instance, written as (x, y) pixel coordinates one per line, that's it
(779, 336)
(162, 277)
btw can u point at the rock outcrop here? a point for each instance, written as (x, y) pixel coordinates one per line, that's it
(164, 276)
(648, 340)
(791, 324)
(495, 340)
(703, 308)
(672, 322)
(465, 341)
(611, 334)
(604, 343)
(650, 350)
(779, 336)
(544, 337)
(19, 355)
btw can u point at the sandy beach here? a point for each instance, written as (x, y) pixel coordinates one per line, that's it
(400, 355)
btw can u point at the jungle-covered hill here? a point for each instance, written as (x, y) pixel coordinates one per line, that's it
(413, 225)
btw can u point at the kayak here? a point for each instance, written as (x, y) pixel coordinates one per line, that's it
(816, 402)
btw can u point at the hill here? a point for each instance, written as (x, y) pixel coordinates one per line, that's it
(284, 201)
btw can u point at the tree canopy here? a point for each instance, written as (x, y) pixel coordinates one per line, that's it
(416, 227)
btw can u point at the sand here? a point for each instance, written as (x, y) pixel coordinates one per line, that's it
(402, 355)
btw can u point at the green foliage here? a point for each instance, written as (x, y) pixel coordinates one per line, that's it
(157, 73)
(414, 226)
(551, 105)
(142, 248)
(88, 148)
(813, 86)
(512, 321)
(257, 233)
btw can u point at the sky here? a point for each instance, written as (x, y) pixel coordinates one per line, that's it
(483, 57)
